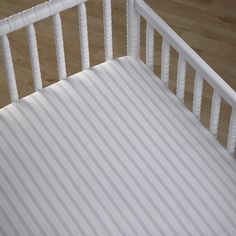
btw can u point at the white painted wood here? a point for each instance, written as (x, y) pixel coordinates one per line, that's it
(133, 30)
(107, 21)
(34, 57)
(35, 14)
(84, 45)
(231, 141)
(11, 80)
(181, 76)
(165, 62)
(58, 35)
(150, 46)
(197, 95)
(215, 113)
(187, 52)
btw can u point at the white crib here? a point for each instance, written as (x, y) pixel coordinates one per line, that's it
(111, 150)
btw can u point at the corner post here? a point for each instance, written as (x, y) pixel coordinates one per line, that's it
(133, 30)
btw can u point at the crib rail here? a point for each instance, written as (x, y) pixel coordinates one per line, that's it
(52, 8)
(187, 55)
(35, 14)
(27, 19)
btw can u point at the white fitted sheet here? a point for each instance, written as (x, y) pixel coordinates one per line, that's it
(111, 151)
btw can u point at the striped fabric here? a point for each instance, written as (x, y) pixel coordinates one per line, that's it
(112, 151)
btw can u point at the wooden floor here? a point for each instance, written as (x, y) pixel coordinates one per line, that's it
(208, 26)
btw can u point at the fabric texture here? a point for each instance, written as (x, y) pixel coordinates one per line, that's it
(111, 151)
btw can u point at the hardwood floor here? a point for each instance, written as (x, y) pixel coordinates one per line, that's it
(208, 26)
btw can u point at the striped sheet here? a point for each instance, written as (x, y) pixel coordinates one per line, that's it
(111, 151)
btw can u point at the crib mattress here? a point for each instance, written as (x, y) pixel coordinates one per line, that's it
(111, 151)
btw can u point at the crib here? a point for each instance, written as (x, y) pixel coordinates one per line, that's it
(111, 150)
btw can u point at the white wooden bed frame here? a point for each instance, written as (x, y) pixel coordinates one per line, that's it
(135, 10)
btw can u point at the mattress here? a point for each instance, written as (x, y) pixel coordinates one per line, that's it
(111, 151)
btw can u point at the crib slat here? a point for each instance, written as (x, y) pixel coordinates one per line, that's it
(107, 21)
(150, 46)
(165, 62)
(215, 113)
(34, 57)
(232, 133)
(181, 76)
(133, 30)
(83, 27)
(197, 95)
(11, 80)
(58, 35)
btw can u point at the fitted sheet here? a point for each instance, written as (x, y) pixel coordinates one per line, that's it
(111, 151)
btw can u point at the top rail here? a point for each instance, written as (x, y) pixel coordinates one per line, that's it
(35, 14)
(187, 52)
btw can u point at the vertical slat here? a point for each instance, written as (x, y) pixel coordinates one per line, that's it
(181, 75)
(107, 21)
(197, 95)
(150, 46)
(232, 133)
(11, 80)
(165, 62)
(133, 30)
(215, 113)
(58, 35)
(34, 57)
(84, 46)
